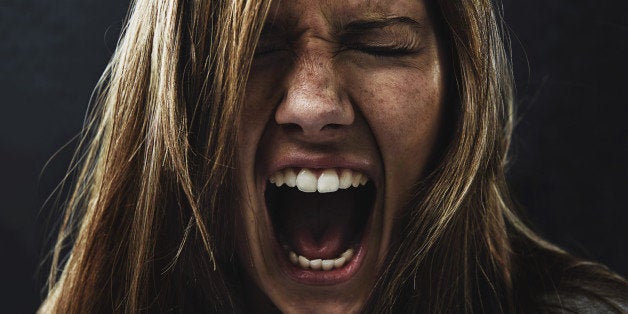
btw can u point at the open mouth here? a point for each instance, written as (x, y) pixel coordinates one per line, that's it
(320, 218)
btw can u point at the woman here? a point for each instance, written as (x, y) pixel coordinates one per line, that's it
(308, 156)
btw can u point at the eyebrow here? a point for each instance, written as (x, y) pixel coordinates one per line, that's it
(359, 26)
(343, 30)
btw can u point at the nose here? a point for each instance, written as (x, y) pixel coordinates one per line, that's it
(314, 105)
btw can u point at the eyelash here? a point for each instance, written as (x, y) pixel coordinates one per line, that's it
(386, 51)
(379, 51)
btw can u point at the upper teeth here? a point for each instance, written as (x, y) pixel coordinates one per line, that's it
(325, 181)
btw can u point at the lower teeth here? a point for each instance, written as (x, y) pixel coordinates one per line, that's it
(321, 264)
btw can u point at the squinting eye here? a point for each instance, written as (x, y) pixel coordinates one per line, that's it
(386, 51)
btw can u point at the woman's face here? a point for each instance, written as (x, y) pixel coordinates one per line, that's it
(342, 111)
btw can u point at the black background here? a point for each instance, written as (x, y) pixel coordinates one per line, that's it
(569, 152)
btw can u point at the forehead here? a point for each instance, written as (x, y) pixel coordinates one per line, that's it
(335, 13)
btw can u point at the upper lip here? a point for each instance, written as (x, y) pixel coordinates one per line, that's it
(302, 159)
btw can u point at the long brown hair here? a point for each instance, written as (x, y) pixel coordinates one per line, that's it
(150, 223)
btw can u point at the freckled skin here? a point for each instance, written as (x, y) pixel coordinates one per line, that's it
(312, 96)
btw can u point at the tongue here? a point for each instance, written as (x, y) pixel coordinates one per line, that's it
(318, 225)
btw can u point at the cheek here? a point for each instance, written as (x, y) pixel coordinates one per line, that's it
(258, 105)
(403, 108)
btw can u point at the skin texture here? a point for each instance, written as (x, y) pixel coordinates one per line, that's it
(321, 88)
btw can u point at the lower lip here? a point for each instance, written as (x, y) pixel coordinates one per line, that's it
(321, 277)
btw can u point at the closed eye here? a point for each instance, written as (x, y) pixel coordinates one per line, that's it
(387, 51)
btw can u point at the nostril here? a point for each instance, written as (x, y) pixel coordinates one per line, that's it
(296, 128)
(291, 127)
(333, 126)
